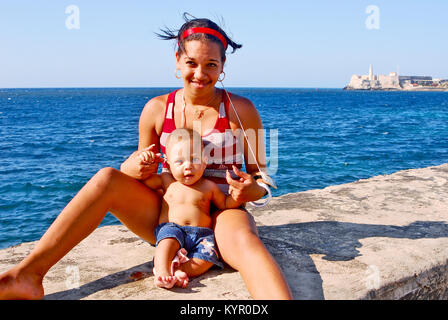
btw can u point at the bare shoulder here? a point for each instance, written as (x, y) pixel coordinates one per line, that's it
(243, 104)
(155, 106)
(153, 112)
(246, 110)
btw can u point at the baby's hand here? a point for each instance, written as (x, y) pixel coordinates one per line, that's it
(149, 157)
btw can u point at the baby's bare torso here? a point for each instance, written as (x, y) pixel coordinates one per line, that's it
(187, 205)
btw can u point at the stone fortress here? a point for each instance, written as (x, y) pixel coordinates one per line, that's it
(394, 81)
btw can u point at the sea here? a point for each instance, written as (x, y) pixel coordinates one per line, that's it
(52, 141)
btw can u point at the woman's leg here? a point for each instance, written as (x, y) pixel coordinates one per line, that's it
(135, 205)
(245, 252)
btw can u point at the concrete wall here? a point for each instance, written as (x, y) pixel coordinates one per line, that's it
(379, 238)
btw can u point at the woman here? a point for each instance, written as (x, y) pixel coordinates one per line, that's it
(200, 60)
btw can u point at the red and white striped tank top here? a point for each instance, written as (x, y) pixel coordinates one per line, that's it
(220, 145)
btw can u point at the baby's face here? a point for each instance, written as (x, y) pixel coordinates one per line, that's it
(186, 164)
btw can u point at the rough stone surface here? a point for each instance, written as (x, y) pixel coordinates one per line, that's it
(381, 238)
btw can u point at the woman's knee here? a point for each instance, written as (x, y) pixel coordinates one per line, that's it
(240, 225)
(105, 178)
(245, 238)
(241, 241)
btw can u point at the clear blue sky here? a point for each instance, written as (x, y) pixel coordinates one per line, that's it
(285, 43)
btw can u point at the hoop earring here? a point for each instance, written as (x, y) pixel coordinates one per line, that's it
(177, 76)
(221, 80)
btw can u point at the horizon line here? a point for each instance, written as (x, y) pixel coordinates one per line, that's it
(163, 87)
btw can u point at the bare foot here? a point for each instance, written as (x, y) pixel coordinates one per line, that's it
(19, 286)
(163, 281)
(181, 278)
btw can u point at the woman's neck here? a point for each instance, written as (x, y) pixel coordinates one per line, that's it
(203, 100)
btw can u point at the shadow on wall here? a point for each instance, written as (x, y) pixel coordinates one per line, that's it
(292, 244)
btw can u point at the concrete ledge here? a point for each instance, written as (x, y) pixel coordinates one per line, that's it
(379, 238)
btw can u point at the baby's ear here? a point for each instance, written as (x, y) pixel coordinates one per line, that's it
(205, 160)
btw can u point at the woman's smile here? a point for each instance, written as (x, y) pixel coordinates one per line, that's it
(201, 65)
(200, 84)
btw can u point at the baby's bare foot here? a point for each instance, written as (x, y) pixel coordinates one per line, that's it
(164, 281)
(181, 278)
(20, 286)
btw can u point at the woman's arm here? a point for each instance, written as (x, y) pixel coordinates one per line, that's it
(154, 181)
(246, 189)
(253, 127)
(150, 127)
(221, 200)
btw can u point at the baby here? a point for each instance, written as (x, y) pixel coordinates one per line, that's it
(185, 244)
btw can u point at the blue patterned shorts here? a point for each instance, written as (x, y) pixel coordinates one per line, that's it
(198, 241)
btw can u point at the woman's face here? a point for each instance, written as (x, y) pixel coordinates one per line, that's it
(200, 65)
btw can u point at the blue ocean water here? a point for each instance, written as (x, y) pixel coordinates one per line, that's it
(53, 140)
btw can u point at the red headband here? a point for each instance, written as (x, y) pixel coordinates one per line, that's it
(210, 31)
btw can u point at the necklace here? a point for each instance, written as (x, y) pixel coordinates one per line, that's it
(198, 113)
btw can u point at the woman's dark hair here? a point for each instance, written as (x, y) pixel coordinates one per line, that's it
(192, 22)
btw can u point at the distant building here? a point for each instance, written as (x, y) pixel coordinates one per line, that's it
(393, 81)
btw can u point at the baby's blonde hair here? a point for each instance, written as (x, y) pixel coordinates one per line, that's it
(182, 134)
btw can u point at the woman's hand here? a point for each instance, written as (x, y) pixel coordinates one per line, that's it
(142, 163)
(245, 189)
